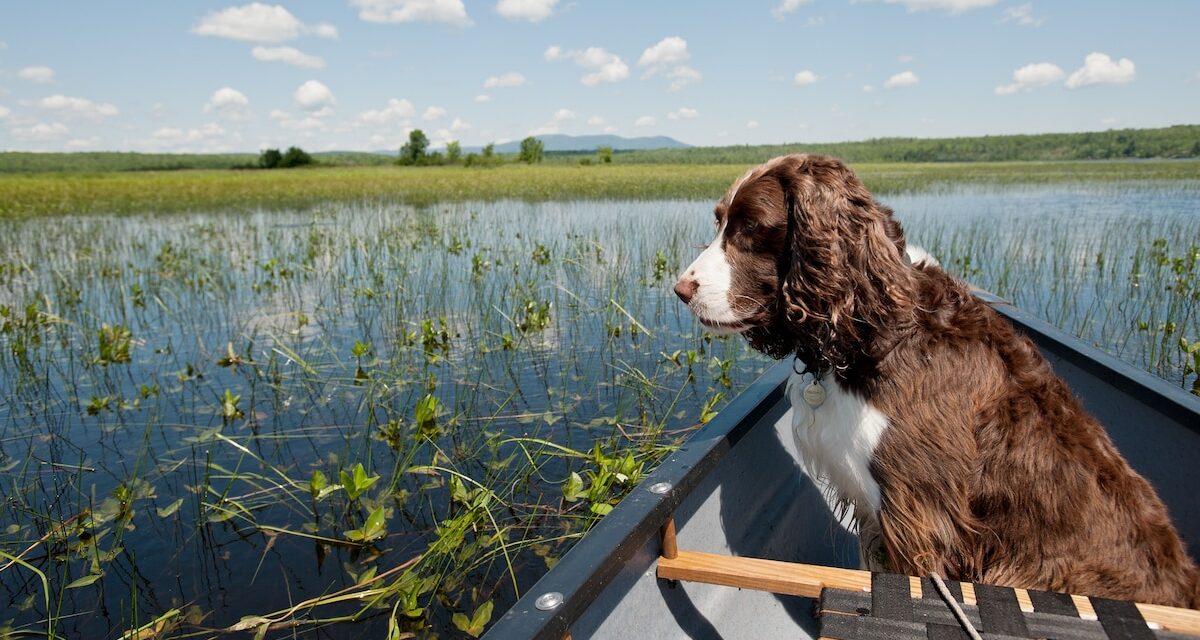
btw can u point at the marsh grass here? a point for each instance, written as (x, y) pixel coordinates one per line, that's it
(375, 418)
(274, 422)
(1117, 266)
(206, 190)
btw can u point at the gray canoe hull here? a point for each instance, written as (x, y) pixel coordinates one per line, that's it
(738, 489)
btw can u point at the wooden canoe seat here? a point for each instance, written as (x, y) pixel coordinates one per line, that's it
(859, 605)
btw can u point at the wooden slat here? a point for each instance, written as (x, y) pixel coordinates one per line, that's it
(808, 580)
(763, 575)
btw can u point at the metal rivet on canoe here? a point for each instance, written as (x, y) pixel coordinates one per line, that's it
(661, 488)
(548, 601)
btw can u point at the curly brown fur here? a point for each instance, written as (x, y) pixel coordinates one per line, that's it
(990, 470)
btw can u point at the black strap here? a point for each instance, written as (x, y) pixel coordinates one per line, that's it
(930, 592)
(1056, 603)
(999, 611)
(1121, 620)
(891, 597)
(936, 631)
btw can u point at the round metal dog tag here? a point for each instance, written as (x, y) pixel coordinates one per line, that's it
(814, 394)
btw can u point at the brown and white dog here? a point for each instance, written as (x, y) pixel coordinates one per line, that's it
(958, 449)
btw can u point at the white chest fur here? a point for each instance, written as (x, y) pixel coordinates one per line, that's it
(836, 441)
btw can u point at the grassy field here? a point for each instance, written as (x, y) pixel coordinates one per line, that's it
(130, 192)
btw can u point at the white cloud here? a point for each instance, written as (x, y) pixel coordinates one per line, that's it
(683, 113)
(396, 111)
(77, 107)
(510, 79)
(949, 6)
(451, 12)
(805, 77)
(4, 112)
(596, 121)
(605, 66)
(82, 143)
(1109, 121)
(531, 10)
(1022, 15)
(544, 130)
(323, 30)
(787, 6)
(562, 115)
(459, 125)
(753, 124)
(610, 129)
(228, 102)
(1030, 77)
(287, 121)
(316, 98)
(669, 50)
(682, 76)
(866, 88)
(40, 131)
(904, 59)
(1099, 68)
(257, 22)
(209, 137)
(645, 121)
(433, 113)
(483, 97)
(902, 79)
(39, 74)
(170, 134)
(287, 55)
(668, 57)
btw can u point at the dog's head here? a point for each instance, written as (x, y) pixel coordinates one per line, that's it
(805, 262)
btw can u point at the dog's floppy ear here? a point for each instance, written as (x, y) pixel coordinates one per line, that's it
(846, 276)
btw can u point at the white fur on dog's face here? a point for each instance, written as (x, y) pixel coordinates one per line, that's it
(713, 276)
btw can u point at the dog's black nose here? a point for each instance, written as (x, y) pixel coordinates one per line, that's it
(686, 289)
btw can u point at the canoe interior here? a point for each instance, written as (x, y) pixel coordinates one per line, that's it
(739, 489)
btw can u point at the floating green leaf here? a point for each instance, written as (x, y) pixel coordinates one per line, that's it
(356, 481)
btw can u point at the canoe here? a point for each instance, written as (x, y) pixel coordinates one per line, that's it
(736, 491)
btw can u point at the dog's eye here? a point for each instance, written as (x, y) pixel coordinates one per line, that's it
(749, 227)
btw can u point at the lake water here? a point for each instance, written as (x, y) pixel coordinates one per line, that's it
(169, 386)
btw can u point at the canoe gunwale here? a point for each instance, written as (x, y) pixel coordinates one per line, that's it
(592, 564)
(596, 559)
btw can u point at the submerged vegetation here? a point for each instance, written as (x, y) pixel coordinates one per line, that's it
(395, 418)
(274, 422)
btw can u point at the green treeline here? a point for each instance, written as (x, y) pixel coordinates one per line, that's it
(106, 161)
(1181, 141)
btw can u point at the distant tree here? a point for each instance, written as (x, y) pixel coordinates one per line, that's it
(294, 157)
(531, 150)
(489, 149)
(453, 151)
(413, 151)
(269, 158)
(605, 154)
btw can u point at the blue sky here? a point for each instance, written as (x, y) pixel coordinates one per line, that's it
(359, 74)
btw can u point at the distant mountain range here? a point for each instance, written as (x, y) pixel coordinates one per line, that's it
(558, 142)
(562, 142)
